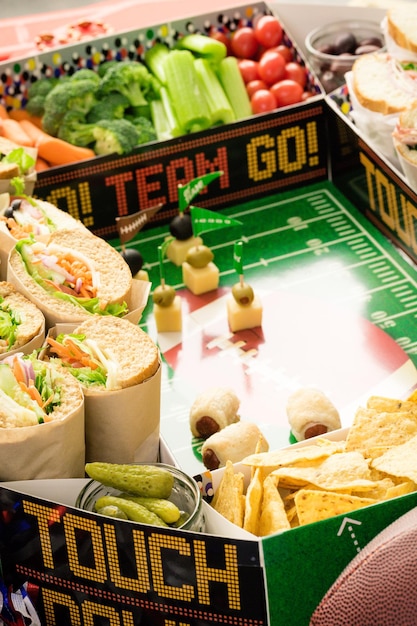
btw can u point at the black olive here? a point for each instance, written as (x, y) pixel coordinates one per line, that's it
(134, 259)
(16, 204)
(8, 212)
(181, 227)
(345, 42)
(366, 49)
(371, 41)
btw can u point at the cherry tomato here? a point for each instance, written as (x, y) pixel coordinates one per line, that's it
(255, 85)
(221, 36)
(287, 92)
(244, 43)
(284, 51)
(263, 101)
(296, 72)
(268, 31)
(248, 69)
(271, 67)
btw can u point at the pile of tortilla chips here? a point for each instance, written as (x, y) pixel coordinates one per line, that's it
(300, 485)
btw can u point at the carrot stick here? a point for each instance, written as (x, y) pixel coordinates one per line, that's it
(32, 130)
(59, 152)
(3, 112)
(41, 165)
(12, 130)
(23, 114)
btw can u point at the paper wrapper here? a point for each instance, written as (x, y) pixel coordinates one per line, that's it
(376, 127)
(52, 450)
(136, 300)
(123, 426)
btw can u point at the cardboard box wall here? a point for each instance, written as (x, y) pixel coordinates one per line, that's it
(84, 566)
(259, 155)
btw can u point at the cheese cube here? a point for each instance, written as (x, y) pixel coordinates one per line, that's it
(168, 318)
(177, 250)
(200, 279)
(243, 317)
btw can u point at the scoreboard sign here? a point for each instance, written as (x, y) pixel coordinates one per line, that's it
(258, 156)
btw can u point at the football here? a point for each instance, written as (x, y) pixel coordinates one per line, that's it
(379, 586)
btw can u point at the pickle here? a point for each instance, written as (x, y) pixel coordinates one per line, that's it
(135, 512)
(111, 510)
(165, 509)
(138, 480)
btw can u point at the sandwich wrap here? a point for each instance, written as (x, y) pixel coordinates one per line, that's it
(71, 277)
(24, 216)
(118, 367)
(41, 420)
(22, 324)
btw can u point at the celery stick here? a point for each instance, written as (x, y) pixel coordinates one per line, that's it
(219, 106)
(154, 59)
(170, 114)
(160, 121)
(203, 46)
(234, 87)
(184, 91)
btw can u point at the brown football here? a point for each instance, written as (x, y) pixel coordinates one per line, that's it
(379, 586)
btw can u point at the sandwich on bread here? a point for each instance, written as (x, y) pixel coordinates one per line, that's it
(33, 392)
(74, 275)
(401, 24)
(405, 135)
(20, 319)
(105, 353)
(384, 84)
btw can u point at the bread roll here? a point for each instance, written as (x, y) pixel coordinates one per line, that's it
(212, 410)
(233, 443)
(121, 353)
(311, 413)
(106, 275)
(402, 25)
(21, 319)
(381, 84)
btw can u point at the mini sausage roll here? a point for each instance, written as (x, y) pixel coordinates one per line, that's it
(213, 410)
(233, 443)
(311, 413)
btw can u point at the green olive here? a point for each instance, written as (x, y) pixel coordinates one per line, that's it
(243, 293)
(199, 256)
(163, 295)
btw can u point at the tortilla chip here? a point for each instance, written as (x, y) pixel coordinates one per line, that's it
(315, 505)
(400, 490)
(390, 405)
(253, 502)
(371, 428)
(300, 457)
(412, 397)
(345, 470)
(228, 499)
(273, 515)
(400, 461)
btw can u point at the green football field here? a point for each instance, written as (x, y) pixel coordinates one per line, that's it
(339, 313)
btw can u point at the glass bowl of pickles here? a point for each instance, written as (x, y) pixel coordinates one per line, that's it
(149, 493)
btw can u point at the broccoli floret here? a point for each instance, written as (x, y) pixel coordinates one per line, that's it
(37, 93)
(145, 129)
(67, 96)
(112, 106)
(133, 80)
(118, 136)
(74, 129)
(85, 74)
(105, 66)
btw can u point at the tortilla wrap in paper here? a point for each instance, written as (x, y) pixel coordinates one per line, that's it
(55, 449)
(136, 301)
